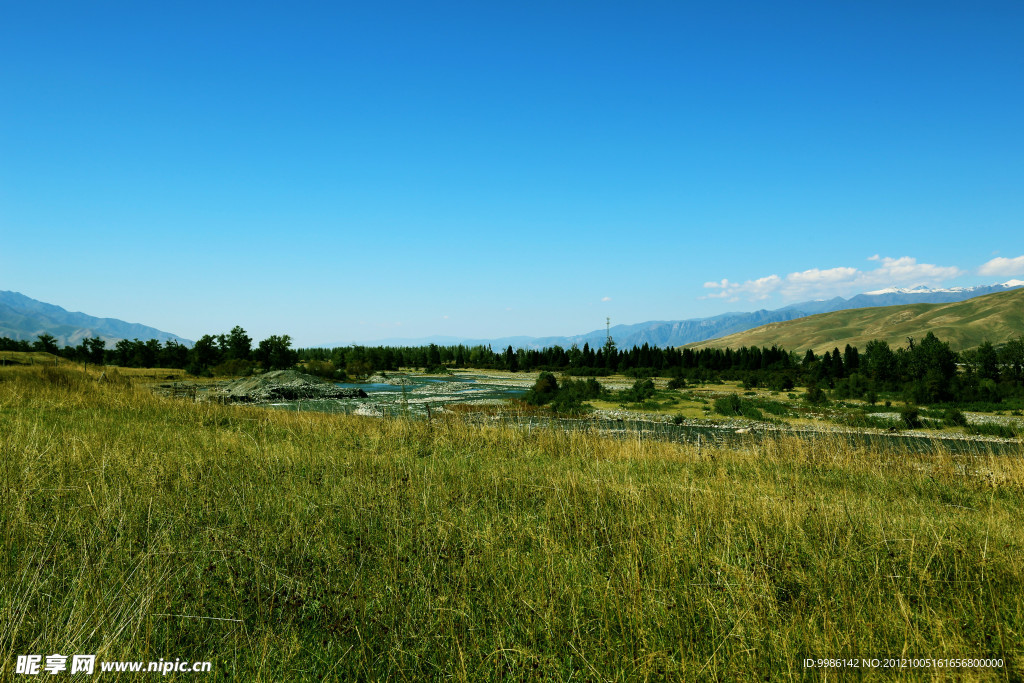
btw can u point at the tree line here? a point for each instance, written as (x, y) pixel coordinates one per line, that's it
(232, 353)
(924, 372)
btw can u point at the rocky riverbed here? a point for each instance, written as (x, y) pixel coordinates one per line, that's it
(281, 385)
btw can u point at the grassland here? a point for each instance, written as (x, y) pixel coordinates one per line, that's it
(303, 546)
(964, 324)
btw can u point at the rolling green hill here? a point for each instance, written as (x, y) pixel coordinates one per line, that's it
(964, 324)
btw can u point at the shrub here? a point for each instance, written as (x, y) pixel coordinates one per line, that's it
(677, 383)
(642, 390)
(954, 418)
(749, 411)
(728, 405)
(584, 389)
(911, 417)
(990, 429)
(567, 398)
(237, 367)
(544, 390)
(882, 423)
(781, 383)
(769, 406)
(567, 404)
(816, 396)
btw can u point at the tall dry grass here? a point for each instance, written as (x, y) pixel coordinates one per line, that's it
(304, 546)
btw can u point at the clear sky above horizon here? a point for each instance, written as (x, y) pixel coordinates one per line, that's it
(346, 172)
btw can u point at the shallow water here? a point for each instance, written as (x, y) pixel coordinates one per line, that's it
(421, 396)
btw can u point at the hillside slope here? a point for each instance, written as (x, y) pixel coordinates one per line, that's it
(964, 324)
(24, 318)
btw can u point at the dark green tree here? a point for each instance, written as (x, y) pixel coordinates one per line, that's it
(205, 354)
(174, 355)
(1012, 356)
(931, 366)
(91, 350)
(879, 361)
(511, 362)
(276, 353)
(838, 368)
(433, 356)
(987, 360)
(125, 352)
(544, 390)
(237, 344)
(851, 359)
(46, 343)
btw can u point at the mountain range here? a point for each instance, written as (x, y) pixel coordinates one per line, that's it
(663, 333)
(24, 318)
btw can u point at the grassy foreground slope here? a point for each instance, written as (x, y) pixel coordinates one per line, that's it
(964, 324)
(300, 546)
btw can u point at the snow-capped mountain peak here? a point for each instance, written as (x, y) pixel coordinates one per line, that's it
(921, 289)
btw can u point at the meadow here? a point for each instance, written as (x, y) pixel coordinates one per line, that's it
(286, 546)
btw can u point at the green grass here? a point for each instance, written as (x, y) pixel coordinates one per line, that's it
(999, 430)
(341, 548)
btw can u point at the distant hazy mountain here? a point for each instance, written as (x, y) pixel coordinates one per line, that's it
(679, 332)
(24, 318)
(899, 297)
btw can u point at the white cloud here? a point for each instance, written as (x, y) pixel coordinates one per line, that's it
(1003, 266)
(606, 298)
(761, 288)
(904, 271)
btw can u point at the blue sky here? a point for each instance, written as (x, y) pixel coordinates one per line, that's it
(346, 172)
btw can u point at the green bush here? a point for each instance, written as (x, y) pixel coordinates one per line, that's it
(881, 423)
(642, 390)
(769, 406)
(544, 390)
(816, 396)
(677, 383)
(751, 412)
(989, 429)
(954, 418)
(728, 405)
(567, 398)
(911, 417)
